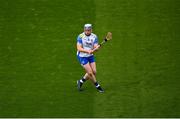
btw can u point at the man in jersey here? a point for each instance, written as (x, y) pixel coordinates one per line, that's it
(87, 44)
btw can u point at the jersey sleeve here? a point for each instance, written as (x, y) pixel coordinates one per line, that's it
(96, 40)
(79, 40)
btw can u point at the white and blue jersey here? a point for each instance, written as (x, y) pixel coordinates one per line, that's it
(87, 43)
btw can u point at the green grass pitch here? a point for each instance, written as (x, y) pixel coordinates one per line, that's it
(139, 69)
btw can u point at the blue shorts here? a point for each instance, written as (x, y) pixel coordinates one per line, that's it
(85, 60)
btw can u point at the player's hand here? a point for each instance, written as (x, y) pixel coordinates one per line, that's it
(90, 51)
(98, 46)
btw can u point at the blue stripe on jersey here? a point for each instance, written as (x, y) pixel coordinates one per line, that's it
(96, 41)
(78, 53)
(79, 40)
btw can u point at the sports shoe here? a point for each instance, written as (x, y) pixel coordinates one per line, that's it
(79, 85)
(100, 90)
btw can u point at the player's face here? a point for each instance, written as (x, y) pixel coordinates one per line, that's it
(88, 31)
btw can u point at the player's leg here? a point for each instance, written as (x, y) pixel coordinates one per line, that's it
(91, 76)
(86, 76)
(83, 61)
(89, 72)
(83, 79)
(93, 67)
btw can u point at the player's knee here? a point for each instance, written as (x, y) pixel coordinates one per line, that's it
(90, 73)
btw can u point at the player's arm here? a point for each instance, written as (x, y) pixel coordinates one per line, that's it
(81, 49)
(96, 45)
